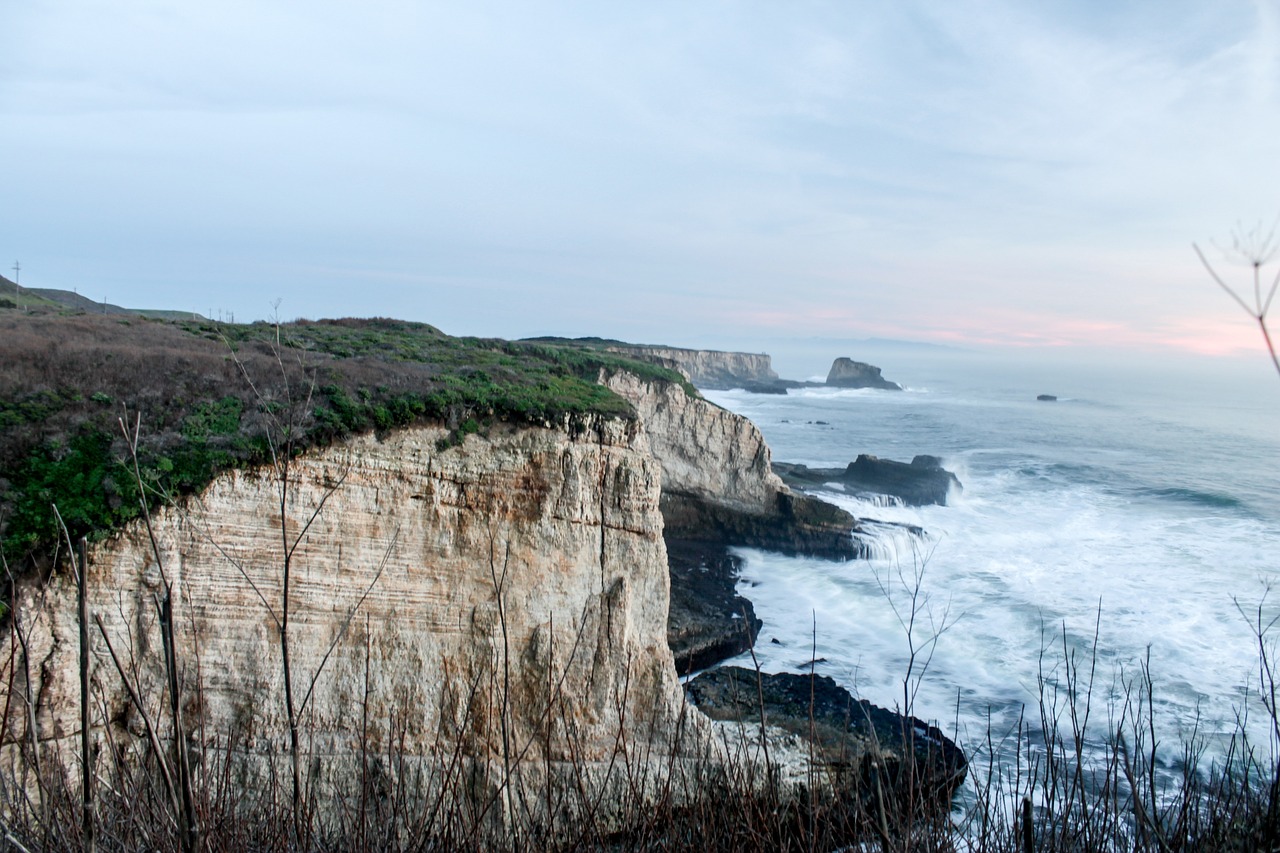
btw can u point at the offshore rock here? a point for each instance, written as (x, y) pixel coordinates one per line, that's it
(847, 373)
(921, 482)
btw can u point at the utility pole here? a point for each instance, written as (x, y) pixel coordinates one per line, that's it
(17, 283)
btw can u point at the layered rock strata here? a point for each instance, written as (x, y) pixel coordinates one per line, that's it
(718, 490)
(718, 483)
(504, 597)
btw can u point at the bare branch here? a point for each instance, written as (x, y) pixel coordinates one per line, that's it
(346, 623)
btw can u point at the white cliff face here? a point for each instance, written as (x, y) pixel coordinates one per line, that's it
(708, 368)
(705, 451)
(453, 591)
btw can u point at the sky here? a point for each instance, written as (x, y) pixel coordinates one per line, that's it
(989, 173)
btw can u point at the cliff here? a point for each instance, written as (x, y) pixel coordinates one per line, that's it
(506, 596)
(710, 369)
(717, 480)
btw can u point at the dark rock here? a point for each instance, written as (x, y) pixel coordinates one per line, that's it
(777, 386)
(922, 481)
(799, 525)
(847, 373)
(1047, 398)
(849, 735)
(708, 622)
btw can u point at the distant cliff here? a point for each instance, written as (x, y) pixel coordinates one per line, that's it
(709, 369)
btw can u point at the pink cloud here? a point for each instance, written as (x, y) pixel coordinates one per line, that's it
(1217, 335)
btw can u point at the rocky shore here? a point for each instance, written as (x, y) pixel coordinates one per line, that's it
(732, 495)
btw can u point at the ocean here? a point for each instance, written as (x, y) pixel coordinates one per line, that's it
(1134, 522)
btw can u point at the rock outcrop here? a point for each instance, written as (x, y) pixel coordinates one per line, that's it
(847, 373)
(910, 756)
(709, 369)
(449, 601)
(708, 621)
(921, 482)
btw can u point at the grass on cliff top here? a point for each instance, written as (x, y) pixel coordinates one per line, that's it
(69, 378)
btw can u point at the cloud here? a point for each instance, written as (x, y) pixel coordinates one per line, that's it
(931, 166)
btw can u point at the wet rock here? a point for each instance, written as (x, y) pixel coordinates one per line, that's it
(708, 622)
(918, 483)
(850, 736)
(796, 525)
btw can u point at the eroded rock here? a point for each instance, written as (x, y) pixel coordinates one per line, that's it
(847, 373)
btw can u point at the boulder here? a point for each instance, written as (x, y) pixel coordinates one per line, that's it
(847, 373)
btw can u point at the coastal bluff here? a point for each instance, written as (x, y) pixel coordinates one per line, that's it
(477, 599)
(524, 568)
(713, 370)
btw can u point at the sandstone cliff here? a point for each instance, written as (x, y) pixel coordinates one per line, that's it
(709, 369)
(516, 605)
(717, 480)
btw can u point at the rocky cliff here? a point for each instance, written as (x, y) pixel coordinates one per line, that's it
(717, 480)
(709, 369)
(505, 596)
(847, 373)
(718, 490)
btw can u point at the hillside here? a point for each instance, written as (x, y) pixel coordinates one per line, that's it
(218, 396)
(46, 298)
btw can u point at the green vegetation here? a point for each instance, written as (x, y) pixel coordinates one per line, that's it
(211, 395)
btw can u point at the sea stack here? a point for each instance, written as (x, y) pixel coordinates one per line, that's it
(847, 373)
